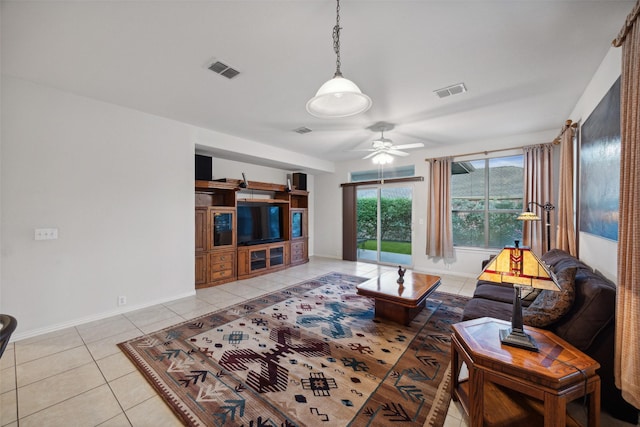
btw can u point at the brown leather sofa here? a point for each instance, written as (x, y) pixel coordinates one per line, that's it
(589, 325)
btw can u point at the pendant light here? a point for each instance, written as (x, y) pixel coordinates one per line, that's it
(338, 97)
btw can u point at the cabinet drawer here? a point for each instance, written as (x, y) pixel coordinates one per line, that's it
(221, 266)
(215, 275)
(220, 258)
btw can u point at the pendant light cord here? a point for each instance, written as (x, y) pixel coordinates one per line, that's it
(336, 40)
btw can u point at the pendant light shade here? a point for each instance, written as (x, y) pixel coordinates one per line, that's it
(338, 97)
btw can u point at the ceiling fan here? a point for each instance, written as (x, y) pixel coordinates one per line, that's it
(382, 149)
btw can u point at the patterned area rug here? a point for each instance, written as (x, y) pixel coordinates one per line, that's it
(310, 354)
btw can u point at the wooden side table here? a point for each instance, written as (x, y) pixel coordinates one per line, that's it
(557, 374)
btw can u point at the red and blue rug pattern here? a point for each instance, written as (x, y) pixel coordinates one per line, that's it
(310, 354)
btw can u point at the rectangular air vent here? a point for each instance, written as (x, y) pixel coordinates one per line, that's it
(451, 90)
(302, 130)
(224, 70)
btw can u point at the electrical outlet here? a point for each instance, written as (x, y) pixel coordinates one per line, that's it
(122, 300)
(46, 234)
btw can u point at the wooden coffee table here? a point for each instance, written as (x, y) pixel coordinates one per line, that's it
(399, 303)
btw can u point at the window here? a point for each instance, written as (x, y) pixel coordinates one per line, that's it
(386, 173)
(486, 198)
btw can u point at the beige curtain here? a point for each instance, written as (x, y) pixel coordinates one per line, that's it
(627, 354)
(538, 180)
(566, 234)
(439, 223)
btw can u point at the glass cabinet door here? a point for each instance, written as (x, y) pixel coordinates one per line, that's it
(222, 229)
(258, 259)
(276, 256)
(296, 224)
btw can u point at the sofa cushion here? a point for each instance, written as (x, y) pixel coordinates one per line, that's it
(550, 306)
(480, 307)
(495, 292)
(592, 312)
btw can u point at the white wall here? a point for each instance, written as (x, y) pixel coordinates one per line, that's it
(116, 183)
(599, 253)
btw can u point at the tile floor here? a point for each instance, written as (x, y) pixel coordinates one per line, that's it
(79, 377)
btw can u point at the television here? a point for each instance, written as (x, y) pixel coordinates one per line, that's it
(259, 223)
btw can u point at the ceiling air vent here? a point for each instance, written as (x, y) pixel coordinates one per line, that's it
(450, 90)
(224, 70)
(302, 130)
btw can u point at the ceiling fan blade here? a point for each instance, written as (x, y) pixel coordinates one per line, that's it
(370, 155)
(398, 153)
(363, 149)
(408, 146)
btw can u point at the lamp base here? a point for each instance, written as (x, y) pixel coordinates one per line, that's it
(517, 338)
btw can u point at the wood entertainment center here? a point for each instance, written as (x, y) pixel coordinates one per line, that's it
(219, 258)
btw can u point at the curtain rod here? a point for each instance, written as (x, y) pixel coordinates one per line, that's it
(556, 141)
(567, 125)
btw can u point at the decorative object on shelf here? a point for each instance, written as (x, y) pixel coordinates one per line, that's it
(244, 182)
(531, 216)
(401, 272)
(338, 97)
(519, 267)
(288, 185)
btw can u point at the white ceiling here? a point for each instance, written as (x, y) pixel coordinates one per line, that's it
(525, 63)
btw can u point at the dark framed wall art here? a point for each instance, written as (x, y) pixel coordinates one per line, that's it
(600, 168)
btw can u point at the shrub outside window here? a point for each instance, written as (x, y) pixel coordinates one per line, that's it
(486, 199)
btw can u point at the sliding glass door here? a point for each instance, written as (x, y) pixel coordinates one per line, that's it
(383, 218)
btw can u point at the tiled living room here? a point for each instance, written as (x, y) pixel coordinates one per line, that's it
(479, 128)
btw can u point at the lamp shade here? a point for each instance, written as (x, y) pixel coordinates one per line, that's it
(338, 97)
(528, 216)
(519, 266)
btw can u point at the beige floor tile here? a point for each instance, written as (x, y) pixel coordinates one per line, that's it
(245, 291)
(8, 358)
(455, 411)
(54, 364)
(199, 313)
(153, 412)
(7, 379)
(48, 344)
(108, 346)
(115, 366)
(149, 315)
(101, 329)
(186, 306)
(452, 422)
(117, 421)
(38, 396)
(131, 390)
(8, 408)
(453, 288)
(87, 409)
(162, 324)
(221, 298)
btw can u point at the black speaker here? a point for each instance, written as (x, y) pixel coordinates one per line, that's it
(204, 168)
(300, 181)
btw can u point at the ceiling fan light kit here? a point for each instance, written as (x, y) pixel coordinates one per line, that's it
(382, 158)
(338, 97)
